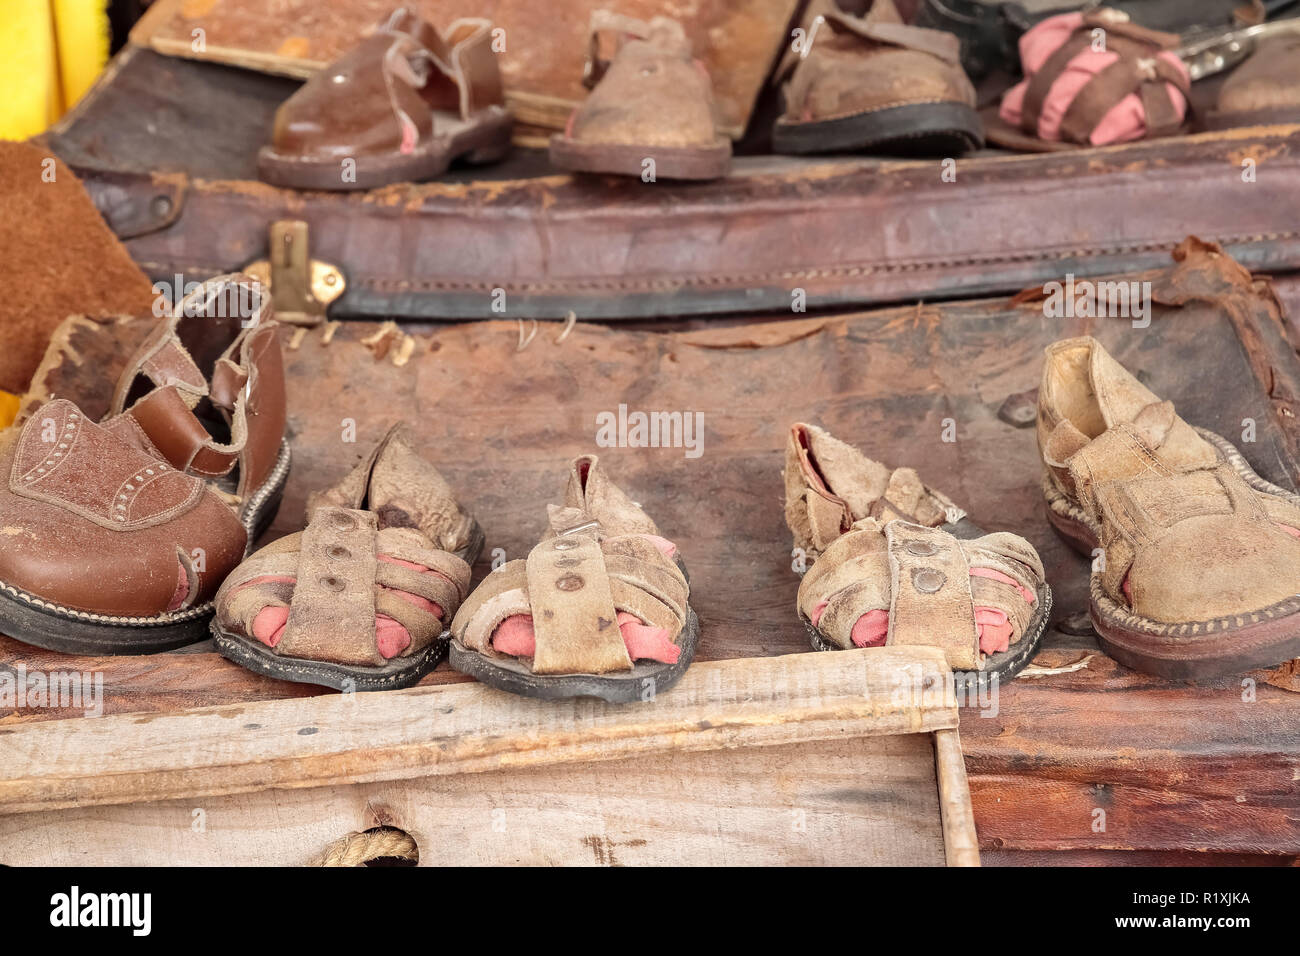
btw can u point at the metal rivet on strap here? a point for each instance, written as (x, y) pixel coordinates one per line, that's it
(565, 544)
(928, 580)
(570, 582)
(342, 521)
(332, 583)
(339, 553)
(922, 549)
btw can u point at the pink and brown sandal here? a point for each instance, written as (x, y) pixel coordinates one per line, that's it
(598, 609)
(895, 562)
(1196, 557)
(650, 100)
(357, 600)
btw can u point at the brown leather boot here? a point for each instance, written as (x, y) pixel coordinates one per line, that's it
(117, 535)
(874, 84)
(650, 111)
(1196, 557)
(399, 106)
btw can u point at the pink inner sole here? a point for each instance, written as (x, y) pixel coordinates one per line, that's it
(182, 592)
(872, 628)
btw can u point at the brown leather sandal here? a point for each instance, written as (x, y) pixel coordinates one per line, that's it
(599, 608)
(399, 107)
(357, 601)
(651, 100)
(874, 84)
(895, 562)
(1199, 557)
(118, 535)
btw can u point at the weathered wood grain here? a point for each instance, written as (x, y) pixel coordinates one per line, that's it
(866, 801)
(359, 738)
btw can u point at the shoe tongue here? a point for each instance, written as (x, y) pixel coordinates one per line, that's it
(1154, 423)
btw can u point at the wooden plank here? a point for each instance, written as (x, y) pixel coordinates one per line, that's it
(961, 845)
(863, 802)
(352, 738)
(544, 44)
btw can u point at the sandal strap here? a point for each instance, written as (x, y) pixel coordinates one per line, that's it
(931, 601)
(574, 620)
(334, 596)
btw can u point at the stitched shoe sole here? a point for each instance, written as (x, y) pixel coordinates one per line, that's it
(1191, 650)
(485, 142)
(640, 684)
(703, 162)
(345, 677)
(917, 129)
(1004, 664)
(27, 618)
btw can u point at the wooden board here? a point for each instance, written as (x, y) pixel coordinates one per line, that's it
(545, 43)
(1176, 767)
(812, 758)
(862, 802)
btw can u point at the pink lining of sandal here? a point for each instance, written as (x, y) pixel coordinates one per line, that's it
(1126, 120)
(872, 628)
(391, 636)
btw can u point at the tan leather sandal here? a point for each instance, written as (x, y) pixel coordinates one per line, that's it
(399, 107)
(119, 534)
(357, 600)
(874, 84)
(895, 562)
(599, 608)
(1198, 556)
(650, 100)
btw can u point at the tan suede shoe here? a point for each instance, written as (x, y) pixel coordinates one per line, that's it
(895, 562)
(358, 600)
(875, 84)
(650, 110)
(1264, 89)
(1197, 558)
(598, 609)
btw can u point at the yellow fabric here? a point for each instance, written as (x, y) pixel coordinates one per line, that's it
(8, 409)
(50, 53)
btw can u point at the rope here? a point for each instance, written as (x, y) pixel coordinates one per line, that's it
(358, 849)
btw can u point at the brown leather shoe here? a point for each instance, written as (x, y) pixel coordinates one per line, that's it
(875, 84)
(652, 100)
(118, 535)
(400, 106)
(359, 599)
(1265, 89)
(600, 608)
(895, 562)
(1198, 558)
